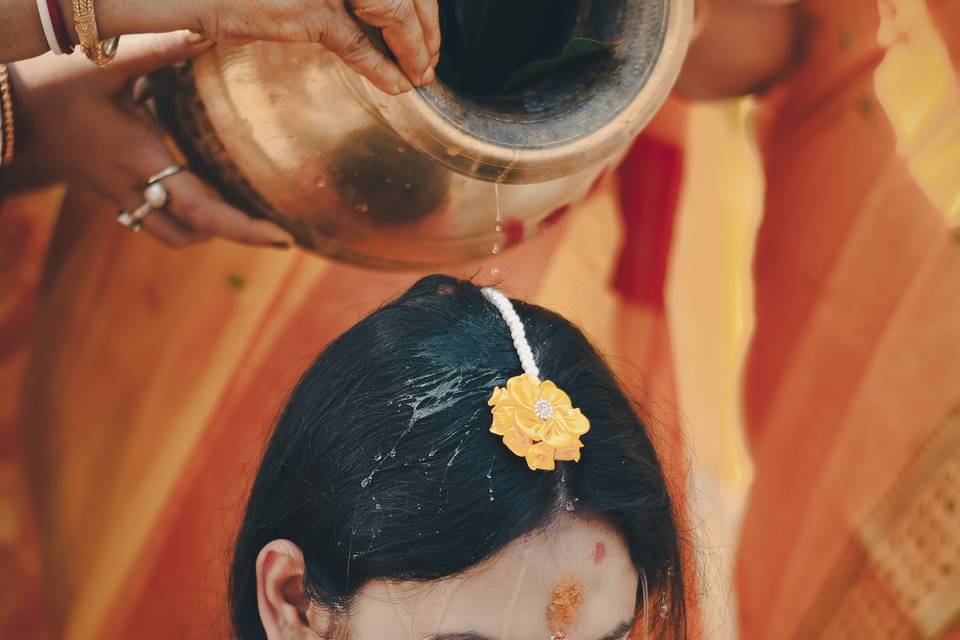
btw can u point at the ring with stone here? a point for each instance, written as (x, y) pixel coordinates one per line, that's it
(155, 196)
(127, 219)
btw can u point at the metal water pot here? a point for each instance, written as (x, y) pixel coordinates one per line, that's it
(289, 133)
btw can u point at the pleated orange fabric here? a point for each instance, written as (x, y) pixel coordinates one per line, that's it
(853, 379)
(148, 379)
(153, 380)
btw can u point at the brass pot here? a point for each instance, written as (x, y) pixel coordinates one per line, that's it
(289, 133)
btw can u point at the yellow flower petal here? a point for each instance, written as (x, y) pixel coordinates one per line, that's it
(523, 390)
(572, 453)
(529, 423)
(576, 423)
(518, 443)
(496, 397)
(556, 434)
(500, 425)
(540, 456)
(554, 395)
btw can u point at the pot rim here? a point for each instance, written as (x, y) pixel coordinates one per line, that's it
(425, 128)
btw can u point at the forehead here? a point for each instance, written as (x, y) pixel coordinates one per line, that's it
(508, 596)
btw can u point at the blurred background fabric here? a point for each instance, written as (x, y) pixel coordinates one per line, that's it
(776, 279)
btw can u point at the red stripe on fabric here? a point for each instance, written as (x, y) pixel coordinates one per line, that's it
(649, 186)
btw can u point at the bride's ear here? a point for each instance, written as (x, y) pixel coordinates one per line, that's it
(285, 611)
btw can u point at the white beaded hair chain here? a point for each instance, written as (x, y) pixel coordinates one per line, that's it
(517, 332)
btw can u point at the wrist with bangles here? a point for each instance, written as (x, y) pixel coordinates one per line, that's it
(99, 50)
(6, 118)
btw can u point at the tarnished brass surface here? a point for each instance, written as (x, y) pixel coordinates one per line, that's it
(290, 133)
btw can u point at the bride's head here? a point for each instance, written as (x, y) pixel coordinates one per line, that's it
(385, 509)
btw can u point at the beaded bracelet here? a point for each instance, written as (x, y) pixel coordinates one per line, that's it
(6, 118)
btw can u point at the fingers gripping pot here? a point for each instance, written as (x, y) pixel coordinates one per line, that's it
(289, 133)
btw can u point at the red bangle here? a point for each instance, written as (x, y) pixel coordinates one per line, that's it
(60, 27)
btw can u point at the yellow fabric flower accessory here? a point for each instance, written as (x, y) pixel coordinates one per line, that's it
(537, 421)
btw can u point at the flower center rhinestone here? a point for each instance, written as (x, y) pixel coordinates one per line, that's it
(544, 409)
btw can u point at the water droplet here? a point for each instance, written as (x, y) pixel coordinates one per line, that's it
(496, 249)
(378, 457)
(401, 149)
(495, 271)
(365, 482)
(393, 453)
(319, 182)
(408, 186)
(570, 506)
(363, 207)
(498, 228)
(432, 453)
(378, 507)
(489, 474)
(453, 457)
(491, 498)
(664, 610)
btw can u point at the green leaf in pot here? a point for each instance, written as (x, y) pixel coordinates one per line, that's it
(573, 50)
(486, 41)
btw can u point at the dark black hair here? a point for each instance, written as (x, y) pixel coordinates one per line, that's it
(382, 464)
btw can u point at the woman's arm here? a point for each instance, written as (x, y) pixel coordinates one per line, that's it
(106, 143)
(743, 47)
(410, 28)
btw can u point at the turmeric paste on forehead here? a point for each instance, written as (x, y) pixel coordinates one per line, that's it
(564, 604)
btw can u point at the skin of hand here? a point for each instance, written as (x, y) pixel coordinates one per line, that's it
(741, 47)
(79, 123)
(410, 28)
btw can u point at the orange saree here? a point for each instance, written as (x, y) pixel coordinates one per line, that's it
(138, 384)
(853, 379)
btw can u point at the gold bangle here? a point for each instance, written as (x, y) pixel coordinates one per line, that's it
(85, 22)
(6, 118)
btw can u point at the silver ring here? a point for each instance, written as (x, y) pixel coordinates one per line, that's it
(163, 174)
(155, 196)
(132, 221)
